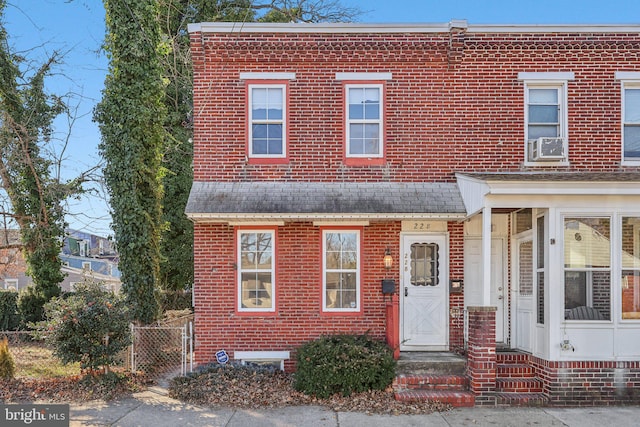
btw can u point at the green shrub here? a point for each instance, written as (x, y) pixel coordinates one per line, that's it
(9, 318)
(7, 365)
(90, 327)
(343, 364)
(31, 305)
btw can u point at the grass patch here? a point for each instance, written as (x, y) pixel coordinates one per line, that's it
(35, 360)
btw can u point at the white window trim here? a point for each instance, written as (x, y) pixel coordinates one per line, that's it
(273, 271)
(283, 87)
(379, 121)
(615, 242)
(358, 307)
(563, 116)
(629, 80)
(262, 356)
(11, 282)
(86, 266)
(621, 268)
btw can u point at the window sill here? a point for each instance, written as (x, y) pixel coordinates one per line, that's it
(634, 163)
(364, 161)
(268, 160)
(542, 164)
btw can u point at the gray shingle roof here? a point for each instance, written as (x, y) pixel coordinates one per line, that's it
(324, 198)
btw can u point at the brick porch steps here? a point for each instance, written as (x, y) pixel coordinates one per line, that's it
(432, 376)
(516, 381)
(430, 382)
(456, 398)
(518, 385)
(521, 399)
(514, 370)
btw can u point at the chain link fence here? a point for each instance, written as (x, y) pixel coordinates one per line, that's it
(159, 350)
(164, 349)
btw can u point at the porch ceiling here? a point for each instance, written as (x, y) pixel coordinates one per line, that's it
(224, 201)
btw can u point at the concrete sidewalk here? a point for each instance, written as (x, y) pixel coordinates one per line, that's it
(153, 408)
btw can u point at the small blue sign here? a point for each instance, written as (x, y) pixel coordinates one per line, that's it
(222, 357)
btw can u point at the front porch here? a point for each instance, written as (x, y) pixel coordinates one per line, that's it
(491, 376)
(482, 376)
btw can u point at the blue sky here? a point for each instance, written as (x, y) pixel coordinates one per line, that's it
(501, 11)
(76, 28)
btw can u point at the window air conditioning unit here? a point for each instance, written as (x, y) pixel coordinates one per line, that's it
(547, 149)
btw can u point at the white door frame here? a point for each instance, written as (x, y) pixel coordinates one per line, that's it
(502, 315)
(516, 299)
(443, 271)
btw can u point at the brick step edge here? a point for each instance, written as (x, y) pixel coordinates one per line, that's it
(454, 398)
(518, 385)
(402, 382)
(514, 370)
(512, 358)
(521, 399)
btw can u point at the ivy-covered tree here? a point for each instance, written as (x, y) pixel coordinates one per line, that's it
(148, 44)
(177, 236)
(131, 116)
(35, 195)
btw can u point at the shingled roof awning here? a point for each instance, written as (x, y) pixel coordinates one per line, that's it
(504, 188)
(227, 201)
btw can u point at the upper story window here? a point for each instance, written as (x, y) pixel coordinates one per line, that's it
(630, 115)
(267, 120)
(341, 270)
(256, 270)
(364, 120)
(267, 115)
(546, 133)
(364, 94)
(631, 122)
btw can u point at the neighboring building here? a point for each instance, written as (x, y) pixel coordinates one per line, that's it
(498, 166)
(12, 264)
(84, 256)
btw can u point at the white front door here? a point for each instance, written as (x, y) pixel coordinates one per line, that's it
(523, 289)
(424, 293)
(473, 279)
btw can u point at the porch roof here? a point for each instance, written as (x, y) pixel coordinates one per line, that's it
(555, 176)
(226, 201)
(476, 187)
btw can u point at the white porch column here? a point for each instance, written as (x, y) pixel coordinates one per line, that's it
(486, 256)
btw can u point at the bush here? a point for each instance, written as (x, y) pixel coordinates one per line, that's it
(9, 318)
(90, 327)
(31, 305)
(7, 365)
(344, 364)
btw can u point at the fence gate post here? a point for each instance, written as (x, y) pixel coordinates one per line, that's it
(183, 359)
(133, 346)
(190, 346)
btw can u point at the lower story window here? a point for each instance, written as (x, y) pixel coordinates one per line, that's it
(341, 277)
(587, 268)
(630, 268)
(256, 270)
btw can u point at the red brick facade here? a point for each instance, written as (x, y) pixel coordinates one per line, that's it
(453, 103)
(444, 113)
